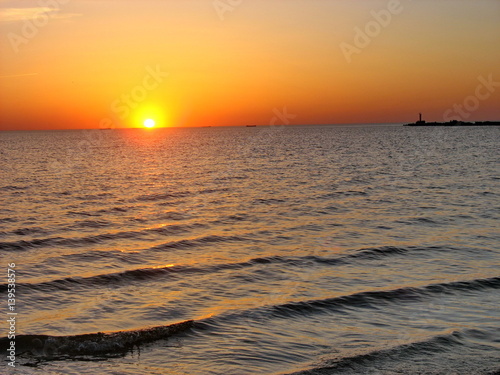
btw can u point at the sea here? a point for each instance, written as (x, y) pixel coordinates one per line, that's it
(305, 250)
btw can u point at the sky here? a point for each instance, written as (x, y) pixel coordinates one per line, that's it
(95, 64)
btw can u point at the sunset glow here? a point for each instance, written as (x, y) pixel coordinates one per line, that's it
(250, 186)
(327, 62)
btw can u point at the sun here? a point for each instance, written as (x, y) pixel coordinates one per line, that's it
(149, 123)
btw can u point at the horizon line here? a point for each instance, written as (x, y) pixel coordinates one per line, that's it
(209, 126)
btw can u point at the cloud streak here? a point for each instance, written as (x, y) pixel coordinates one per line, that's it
(22, 14)
(19, 75)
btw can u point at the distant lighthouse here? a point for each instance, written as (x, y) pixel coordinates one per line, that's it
(420, 121)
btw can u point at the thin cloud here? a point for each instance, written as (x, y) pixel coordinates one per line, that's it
(21, 14)
(19, 75)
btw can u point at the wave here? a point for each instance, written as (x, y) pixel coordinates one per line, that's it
(420, 220)
(347, 193)
(95, 239)
(372, 299)
(112, 210)
(150, 273)
(140, 274)
(385, 251)
(362, 362)
(356, 301)
(28, 231)
(91, 224)
(24, 245)
(13, 188)
(7, 220)
(82, 213)
(70, 283)
(64, 241)
(91, 197)
(160, 196)
(114, 256)
(92, 344)
(213, 190)
(24, 232)
(269, 201)
(197, 242)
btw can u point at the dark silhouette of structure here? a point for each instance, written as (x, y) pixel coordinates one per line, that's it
(421, 122)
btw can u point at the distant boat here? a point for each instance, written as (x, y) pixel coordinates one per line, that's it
(251, 126)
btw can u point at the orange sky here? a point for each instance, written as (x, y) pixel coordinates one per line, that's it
(89, 63)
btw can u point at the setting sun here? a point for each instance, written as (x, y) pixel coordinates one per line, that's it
(149, 123)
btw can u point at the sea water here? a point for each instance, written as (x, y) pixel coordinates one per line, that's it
(263, 250)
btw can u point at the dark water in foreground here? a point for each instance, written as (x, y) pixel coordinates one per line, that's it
(309, 250)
